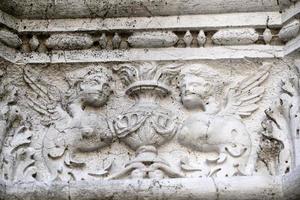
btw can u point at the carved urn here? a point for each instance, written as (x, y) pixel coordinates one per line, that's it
(146, 125)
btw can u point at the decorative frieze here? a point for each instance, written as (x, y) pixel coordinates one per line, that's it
(69, 41)
(152, 39)
(235, 37)
(150, 106)
(76, 124)
(147, 40)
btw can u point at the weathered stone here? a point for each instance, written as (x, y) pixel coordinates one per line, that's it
(69, 41)
(267, 36)
(119, 108)
(127, 8)
(116, 41)
(235, 36)
(289, 30)
(103, 41)
(201, 38)
(152, 39)
(188, 38)
(34, 43)
(10, 39)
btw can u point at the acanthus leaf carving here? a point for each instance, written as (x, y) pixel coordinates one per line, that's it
(280, 130)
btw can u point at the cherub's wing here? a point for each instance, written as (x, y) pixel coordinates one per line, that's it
(243, 98)
(42, 97)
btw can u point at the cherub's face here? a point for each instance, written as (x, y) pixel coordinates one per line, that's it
(194, 92)
(94, 90)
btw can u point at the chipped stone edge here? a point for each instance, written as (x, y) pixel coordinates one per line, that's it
(7, 53)
(242, 187)
(9, 20)
(291, 12)
(153, 54)
(292, 45)
(192, 22)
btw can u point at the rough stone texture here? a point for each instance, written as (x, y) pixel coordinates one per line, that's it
(155, 54)
(10, 39)
(152, 39)
(235, 36)
(290, 30)
(150, 108)
(182, 22)
(152, 189)
(69, 41)
(34, 43)
(86, 137)
(291, 184)
(290, 12)
(114, 8)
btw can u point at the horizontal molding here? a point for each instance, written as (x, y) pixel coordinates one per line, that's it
(155, 54)
(191, 22)
(180, 23)
(239, 187)
(45, 9)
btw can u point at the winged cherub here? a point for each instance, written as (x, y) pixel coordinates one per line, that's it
(71, 128)
(217, 127)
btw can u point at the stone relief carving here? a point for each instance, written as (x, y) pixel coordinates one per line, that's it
(280, 134)
(71, 129)
(216, 126)
(84, 40)
(146, 125)
(147, 120)
(17, 158)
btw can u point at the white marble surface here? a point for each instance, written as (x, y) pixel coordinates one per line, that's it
(154, 102)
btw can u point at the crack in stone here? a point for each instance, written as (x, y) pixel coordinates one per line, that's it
(216, 187)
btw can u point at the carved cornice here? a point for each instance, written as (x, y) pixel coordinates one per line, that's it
(32, 49)
(119, 39)
(44, 9)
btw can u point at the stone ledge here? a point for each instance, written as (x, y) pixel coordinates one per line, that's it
(183, 22)
(155, 54)
(255, 187)
(115, 8)
(192, 22)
